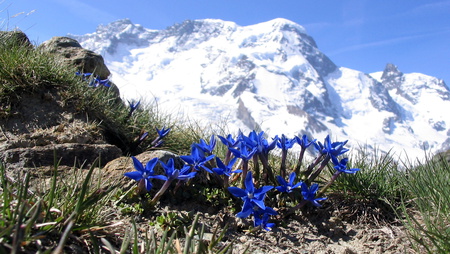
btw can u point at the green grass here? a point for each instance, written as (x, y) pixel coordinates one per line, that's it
(24, 69)
(73, 211)
(426, 205)
(418, 193)
(27, 215)
(379, 177)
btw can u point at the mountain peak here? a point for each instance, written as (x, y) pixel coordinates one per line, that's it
(391, 77)
(285, 24)
(391, 68)
(116, 26)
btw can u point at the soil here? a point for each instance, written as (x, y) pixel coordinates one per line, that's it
(339, 226)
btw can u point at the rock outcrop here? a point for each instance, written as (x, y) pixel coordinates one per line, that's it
(71, 53)
(41, 128)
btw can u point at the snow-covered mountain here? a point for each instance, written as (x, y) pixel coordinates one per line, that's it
(271, 76)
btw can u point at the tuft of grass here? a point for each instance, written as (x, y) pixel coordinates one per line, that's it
(380, 177)
(194, 241)
(426, 205)
(24, 69)
(73, 210)
(28, 217)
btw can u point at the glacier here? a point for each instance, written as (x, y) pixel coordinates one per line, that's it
(272, 76)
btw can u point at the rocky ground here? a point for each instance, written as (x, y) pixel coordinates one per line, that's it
(341, 225)
(337, 227)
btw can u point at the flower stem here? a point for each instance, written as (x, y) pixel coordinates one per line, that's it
(283, 163)
(256, 168)
(161, 191)
(300, 160)
(244, 173)
(312, 166)
(313, 176)
(333, 178)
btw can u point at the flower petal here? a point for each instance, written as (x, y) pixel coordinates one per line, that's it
(249, 187)
(188, 159)
(135, 175)
(292, 178)
(313, 189)
(259, 203)
(159, 177)
(237, 192)
(151, 164)
(263, 190)
(207, 169)
(137, 164)
(281, 181)
(148, 184)
(247, 209)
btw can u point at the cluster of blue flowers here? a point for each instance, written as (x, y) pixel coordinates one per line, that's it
(256, 182)
(93, 81)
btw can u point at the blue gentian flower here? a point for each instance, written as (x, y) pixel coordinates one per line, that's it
(304, 142)
(262, 221)
(266, 147)
(94, 82)
(309, 194)
(252, 198)
(261, 218)
(144, 174)
(143, 136)
(331, 149)
(207, 148)
(104, 82)
(133, 106)
(83, 75)
(243, 152)
(197, 159)
(173, 173)
(223, 169)
(341, 166)
(258, 141)
(285, 186)
(163, 132)
(185, 173)
(286, 143)
(229, 141)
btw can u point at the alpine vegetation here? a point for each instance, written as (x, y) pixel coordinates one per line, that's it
(254, 180)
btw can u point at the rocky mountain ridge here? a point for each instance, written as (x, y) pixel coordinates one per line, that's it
(272, 76)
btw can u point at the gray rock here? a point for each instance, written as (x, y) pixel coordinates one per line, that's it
(68, 154)
(125, 163)
(117, 167)
(71, 53)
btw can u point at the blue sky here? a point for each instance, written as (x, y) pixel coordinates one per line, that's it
(358, 34)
